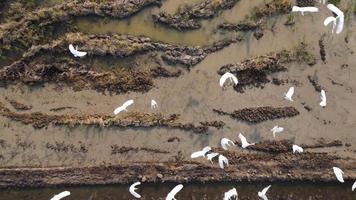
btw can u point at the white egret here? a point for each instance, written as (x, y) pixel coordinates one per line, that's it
(75, 51)
(223, 160)
(201, 153)
(289, 94)
(276, 129)
(262, 194)
(154, 104)
(231, 194)
(133, 188)
(353, 186)
(304, 9)
(173, 192)
(229, 76)
(60, 195)
(297, 148)
(323, 98)
(123, 107)
(339, 17)
(244, 142)
(338, 173)
(210, 156)
(225, 142)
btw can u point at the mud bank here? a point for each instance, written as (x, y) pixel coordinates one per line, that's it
(260, 114)
(188, 18)
(130, 120)
(254, 72)
(244, 166)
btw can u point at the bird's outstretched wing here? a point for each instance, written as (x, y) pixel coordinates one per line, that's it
(243, 139)
(173, 192)
(133, 188)
(128, 103)
(328, 20)
(264, 191)
(225, 77)
(60, 195)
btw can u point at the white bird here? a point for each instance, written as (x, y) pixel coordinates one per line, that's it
(276, 129)
(229, 76)
(133, 188)
(173, 192)
(304, 9)
(61, 195)
(201, 153)
(262, 194)
(354, 186)
(323, 98)
(297, 149)
(338, 173)
(231, 194)
(75, 51)
(225, 142)
(123, 107)
(244, 142)
(210, 156)
(153, 104)
(222, 160)
(339, 17)
(289, 94)
(328, 20)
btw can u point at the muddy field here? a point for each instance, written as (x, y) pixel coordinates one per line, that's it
(56, 110)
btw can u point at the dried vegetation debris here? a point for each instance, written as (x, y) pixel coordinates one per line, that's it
(17, 105)
(187, 18)
(260, 114)
(115, 149)
(129, 120)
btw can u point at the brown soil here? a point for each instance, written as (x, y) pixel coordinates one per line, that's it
(260, 114)
(120, 150)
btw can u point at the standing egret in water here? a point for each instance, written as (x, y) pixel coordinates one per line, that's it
(231, 194)
(276, 129)
(173, 192)
(201, 153)
(225, 142)
(289, 94)
(244, 142)
(353, 186)
(75, 51)
(304, 9)
(60, 195)
(223, 160)
(210, 156)
(340, 18)
(338, 173)
(123, 107)
(262, 194)
(323, 98)
(297, 149)
(133, 188)
(153, 104)
(229, 76)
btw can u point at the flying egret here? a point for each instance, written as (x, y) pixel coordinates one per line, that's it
(231, 194)
(123, 107)
(222, 160)
(225, 142)
(289, 94)
(201, 153)
(133, 188)
(304, 9)
(262, 194)
(354, 186)
(75, 51)
(173, 192)
(339, 17)
(153, 104)
(229, 76)
(297, 148)
(61, 195)
(338, 173)
(276, 129)
(210, 156)
(244, 142)
(328, 20)
(323, 98)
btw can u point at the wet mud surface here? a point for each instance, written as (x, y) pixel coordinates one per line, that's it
(56, 114)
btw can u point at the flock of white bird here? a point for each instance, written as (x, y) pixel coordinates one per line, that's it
(338, 23)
